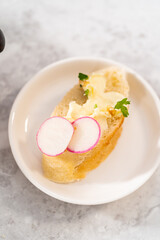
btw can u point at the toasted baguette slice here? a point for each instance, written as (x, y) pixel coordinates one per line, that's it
(70, 167)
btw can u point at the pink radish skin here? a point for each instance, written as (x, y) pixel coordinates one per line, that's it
(69, 137)
(69, 148)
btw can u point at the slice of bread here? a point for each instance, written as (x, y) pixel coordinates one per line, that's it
(70, 167)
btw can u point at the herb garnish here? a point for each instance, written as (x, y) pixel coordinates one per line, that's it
(82, 76)
(124, 109)
(86, 92)
(95, 106)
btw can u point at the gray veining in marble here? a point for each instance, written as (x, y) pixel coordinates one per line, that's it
(41, 32)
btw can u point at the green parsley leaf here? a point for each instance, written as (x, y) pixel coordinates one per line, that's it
(82, 76)
(124, 109)
(80, 85)
(86, 92)
(95, 106)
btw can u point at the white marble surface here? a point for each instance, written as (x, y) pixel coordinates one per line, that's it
(40, 32)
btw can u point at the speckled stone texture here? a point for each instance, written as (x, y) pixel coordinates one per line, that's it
(40, 32)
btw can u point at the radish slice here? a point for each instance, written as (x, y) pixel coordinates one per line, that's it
(86, 135)
(54, 136)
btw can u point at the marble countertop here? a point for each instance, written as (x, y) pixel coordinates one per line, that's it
(41, 32)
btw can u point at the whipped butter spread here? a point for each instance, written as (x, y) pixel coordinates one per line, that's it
(102, 98)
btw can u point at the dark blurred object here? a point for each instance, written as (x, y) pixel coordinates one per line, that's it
(2, 41)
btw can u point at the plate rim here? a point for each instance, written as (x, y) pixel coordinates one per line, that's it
(34, 79)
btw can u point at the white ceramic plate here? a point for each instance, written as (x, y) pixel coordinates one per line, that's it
(132, 162)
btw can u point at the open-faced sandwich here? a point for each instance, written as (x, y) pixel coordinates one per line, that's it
(85, 126)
